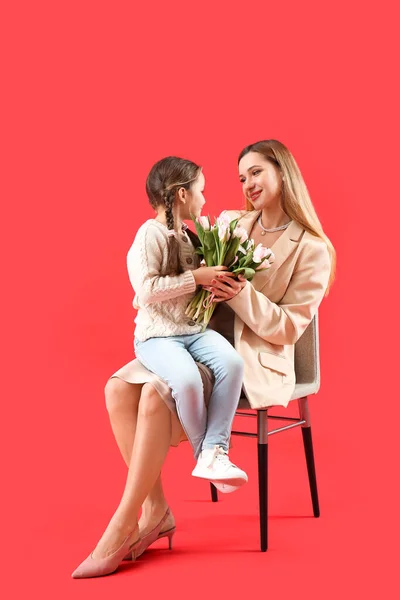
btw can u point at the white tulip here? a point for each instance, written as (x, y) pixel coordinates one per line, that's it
(240, 232)
(204, 222)
(264, 265)
(223, 224)
(223, 218)
(260, 252)
(223, 232)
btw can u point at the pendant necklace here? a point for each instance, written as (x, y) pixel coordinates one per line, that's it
(274, 229)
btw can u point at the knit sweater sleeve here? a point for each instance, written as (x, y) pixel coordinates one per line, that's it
(144, 262)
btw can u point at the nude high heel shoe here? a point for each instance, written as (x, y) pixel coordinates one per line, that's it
(98, 567)
(151, 537)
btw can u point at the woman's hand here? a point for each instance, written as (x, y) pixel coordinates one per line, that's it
(225, 288)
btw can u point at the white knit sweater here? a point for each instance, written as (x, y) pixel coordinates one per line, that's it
(161, 299)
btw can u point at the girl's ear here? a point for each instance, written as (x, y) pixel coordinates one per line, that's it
(182, 195)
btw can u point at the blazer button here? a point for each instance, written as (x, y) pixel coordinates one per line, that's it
(191, 323)
(184, 238)
(189, 261)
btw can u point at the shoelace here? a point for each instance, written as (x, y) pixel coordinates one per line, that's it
(222, 457)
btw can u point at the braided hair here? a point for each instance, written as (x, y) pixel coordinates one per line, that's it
(162, 184)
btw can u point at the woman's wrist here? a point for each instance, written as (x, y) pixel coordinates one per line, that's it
(237, 293)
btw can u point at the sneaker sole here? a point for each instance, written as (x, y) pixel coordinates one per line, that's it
(234, 481)
(224, 488)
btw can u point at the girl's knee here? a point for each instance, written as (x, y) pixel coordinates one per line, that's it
(190, 390)
(235, 362)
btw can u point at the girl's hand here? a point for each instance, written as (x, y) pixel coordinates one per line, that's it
(225, 288)
(207, 275)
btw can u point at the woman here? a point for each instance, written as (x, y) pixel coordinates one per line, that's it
(263, 319)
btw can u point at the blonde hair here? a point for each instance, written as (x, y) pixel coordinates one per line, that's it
(296, 201)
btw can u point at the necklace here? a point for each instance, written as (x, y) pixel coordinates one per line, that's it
(265, 230)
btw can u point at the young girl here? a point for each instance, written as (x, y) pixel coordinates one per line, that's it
(164, 272)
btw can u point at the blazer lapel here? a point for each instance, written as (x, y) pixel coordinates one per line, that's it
(282, 248)
(248, 219)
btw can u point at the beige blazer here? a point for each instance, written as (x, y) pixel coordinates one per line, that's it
(274, 309)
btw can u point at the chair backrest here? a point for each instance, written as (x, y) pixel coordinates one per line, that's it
(306, 355)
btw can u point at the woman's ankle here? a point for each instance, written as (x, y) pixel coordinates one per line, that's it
(150, 509)
(124, 521)
(149, 520)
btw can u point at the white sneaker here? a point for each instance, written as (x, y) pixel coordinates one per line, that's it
(214, 464)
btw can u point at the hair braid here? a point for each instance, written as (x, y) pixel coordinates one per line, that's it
(169, 197)
(174, 266)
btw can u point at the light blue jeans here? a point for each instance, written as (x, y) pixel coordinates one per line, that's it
(173, 359)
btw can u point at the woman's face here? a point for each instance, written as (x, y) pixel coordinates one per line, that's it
(261, 181)
(194, 198)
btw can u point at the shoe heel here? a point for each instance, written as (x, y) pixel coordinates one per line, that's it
(170, 536)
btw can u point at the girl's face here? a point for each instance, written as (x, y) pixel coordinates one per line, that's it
(194, 199)
(261, 181)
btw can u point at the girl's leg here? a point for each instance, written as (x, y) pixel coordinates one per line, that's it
(151, 444)
(214, 351)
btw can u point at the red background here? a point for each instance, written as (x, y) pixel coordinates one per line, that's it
(94, 94)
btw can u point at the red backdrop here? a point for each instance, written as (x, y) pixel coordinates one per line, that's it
(94, 94)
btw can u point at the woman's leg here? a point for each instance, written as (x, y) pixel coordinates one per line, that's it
(122, 401)
(151, 444)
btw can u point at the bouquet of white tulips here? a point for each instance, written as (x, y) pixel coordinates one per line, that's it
(225, 243)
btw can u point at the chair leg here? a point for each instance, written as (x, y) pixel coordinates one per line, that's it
(262, 435)
(214, 493)
(308, 448)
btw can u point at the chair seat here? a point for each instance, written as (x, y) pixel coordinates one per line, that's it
(300, 391)
(305, 389)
